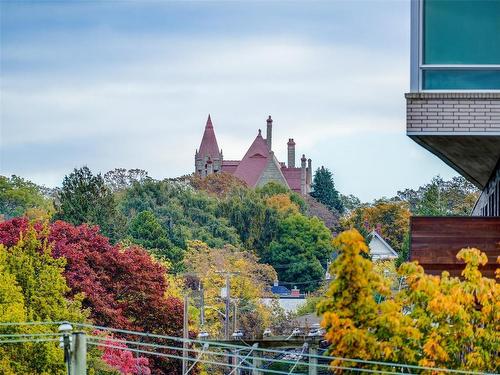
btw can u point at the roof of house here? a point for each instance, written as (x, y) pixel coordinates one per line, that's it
(280, 289)
(230, 166)
(209, 144)
(379, 248)
(292, 176)
(253, 163)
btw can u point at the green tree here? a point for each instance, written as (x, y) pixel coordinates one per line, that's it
(85, 198)
(441, 197)
(18, 196)
(184, 213)
(323, 189)
(300, 251)
(246, 212)
(146, 230)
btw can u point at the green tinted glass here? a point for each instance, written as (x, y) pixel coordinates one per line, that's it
(461, 32)
(461, 79)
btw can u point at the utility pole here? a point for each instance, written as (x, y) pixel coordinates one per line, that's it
(185, 336)
(79, 354)
(202, 303)
(228, 305)
(235, 316)
(228, 301)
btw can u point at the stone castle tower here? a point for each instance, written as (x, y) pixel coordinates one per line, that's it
(259, 164)
(208, 158)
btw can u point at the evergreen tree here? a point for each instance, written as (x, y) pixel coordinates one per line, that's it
(85, 198)
(323, 189)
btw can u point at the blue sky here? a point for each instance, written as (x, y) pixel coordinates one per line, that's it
(130, 83)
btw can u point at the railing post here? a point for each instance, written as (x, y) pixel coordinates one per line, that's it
(256, 362)
(79, 354)
(313, 361)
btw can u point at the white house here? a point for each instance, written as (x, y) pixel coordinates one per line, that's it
(380, 249)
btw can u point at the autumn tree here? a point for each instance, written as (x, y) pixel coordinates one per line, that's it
(123, 287)
(218, 184)
(436, 321)
(85, 198)
(392, 218)
(323, 189)
(248, 286)
(33, 288)
(282, 204)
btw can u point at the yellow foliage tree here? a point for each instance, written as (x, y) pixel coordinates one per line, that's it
(283, 204)
(248, 286)
(434, 321)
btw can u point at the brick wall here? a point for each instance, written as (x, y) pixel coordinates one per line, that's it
(453, 112)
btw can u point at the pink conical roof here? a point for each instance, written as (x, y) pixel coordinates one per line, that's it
(253, 163)
(209, 144)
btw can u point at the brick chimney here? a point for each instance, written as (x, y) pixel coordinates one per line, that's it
(309, 176)
(269, 134)
(303, 175)
(291, 153)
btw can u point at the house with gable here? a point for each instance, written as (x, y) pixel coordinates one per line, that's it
(259, 164)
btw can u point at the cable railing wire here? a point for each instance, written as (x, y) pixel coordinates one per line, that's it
(232, 346)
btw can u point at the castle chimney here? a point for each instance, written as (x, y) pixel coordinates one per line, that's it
(303, 173)
(309, 176)
(269, 134)
(291, 153)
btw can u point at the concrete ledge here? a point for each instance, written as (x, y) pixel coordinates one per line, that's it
(453, 95)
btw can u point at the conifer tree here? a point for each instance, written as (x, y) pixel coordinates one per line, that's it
(323, 189)
(85, 198)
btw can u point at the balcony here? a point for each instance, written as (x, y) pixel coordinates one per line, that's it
(462, 129)
(435, 242)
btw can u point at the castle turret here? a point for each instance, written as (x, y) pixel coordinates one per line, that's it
(269, 134)
(291, 153)
(208, 158)
(303, 174)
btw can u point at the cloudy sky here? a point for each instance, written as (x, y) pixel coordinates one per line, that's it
(130, 83)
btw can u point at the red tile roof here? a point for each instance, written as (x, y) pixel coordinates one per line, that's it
(253, 163)
(292, 176)
(229, 166)
(209, 144)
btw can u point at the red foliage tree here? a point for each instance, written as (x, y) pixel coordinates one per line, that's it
(123, 287)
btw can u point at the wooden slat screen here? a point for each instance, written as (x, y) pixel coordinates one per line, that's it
(435, 242)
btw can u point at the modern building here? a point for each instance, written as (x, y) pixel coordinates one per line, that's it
(453, 110)
(259, 164)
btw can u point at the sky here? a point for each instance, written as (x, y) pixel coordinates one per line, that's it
(129, 84)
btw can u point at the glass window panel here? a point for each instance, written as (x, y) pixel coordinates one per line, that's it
(461, 32)
(461, 79)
